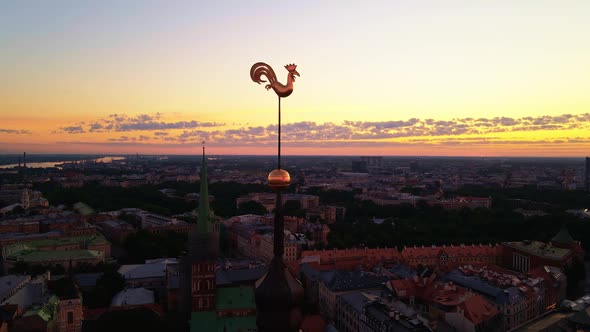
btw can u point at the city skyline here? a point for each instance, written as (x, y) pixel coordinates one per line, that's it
(422, 79)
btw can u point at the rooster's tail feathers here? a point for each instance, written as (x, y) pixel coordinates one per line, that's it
(260, 69)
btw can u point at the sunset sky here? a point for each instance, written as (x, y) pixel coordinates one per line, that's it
(473, 78)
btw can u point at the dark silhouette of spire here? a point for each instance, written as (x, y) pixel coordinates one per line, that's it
(198, 267)
(204, 239)
(204, 224)
(278, 294)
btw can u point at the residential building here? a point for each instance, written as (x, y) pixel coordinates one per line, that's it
(337, 283)
(11, 196)
(308, 202)
(64, 251)
(40, 317)
(132, 297)
(116, 231)
(350, 312)
(66, 222)
(554, 283)
(438, 302)
(154, 275)
(462, 202)
(517, 297)
(10, 284)
(155, 223)
(69, 307)
(447, 257)
(351, 258)
(264, 246)
(32, 292)
(252, 237)
(372, 163)
(64, 258)
(570, 316)
(526, 255)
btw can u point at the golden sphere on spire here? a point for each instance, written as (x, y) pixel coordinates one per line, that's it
(279, 179)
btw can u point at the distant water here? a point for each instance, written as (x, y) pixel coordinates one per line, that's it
(56, 163)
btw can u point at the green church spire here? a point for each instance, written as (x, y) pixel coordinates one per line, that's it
(204, 222)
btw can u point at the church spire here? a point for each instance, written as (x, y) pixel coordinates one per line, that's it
(204, 222)
(198, 280)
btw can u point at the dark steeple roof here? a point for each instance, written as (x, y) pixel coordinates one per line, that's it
(563, 237)
(204, 239)
(204, 222)
(203, 249)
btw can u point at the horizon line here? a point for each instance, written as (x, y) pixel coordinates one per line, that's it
(274, 155)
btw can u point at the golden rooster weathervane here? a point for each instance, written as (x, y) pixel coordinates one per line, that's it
(260, 69)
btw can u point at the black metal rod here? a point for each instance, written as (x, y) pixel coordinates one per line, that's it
(279, 233)
(279, 129)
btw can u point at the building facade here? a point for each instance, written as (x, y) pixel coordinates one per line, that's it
(447, 257)
(526, 255)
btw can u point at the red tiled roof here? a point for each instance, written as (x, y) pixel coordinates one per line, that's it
(477, 309)
(498, 276)
(313, 323)
(403, 288)
(448, 295)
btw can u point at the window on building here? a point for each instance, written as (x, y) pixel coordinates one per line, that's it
(444, 259)
(70, 317)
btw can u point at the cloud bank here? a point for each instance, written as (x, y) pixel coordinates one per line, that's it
(126, 123)
(15, 131)
(460, 131)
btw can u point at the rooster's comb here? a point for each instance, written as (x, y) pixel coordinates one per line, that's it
(291, 67)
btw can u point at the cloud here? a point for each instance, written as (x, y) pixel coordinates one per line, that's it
(458, 131)
(120, 139)
(73, 129)
(15, 131)
(96, 126)
(348, 131)
(142, 122)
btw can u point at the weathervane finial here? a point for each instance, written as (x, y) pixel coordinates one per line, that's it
(260, 69)
(278, 294)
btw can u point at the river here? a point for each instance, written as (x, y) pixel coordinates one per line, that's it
(54, 163)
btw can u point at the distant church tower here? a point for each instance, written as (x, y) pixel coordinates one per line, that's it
(203, 249)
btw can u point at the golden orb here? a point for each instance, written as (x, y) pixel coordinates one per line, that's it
(279, 179)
